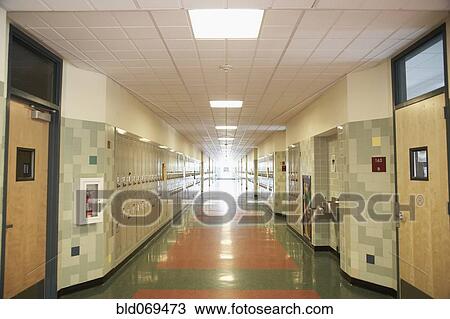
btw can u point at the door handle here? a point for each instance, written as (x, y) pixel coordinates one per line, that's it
(9, 226)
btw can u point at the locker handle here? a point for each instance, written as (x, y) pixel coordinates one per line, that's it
(9, 226)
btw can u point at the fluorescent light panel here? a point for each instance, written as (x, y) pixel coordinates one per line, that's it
(120, 131)
(226, 23)
(163, 147)
(143, 139)
(226, 127)
(226, 138)
(225, 104)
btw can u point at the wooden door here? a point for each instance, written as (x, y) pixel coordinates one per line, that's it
(26, 203)
(424, 253)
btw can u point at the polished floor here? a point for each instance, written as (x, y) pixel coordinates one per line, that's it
(195, 260)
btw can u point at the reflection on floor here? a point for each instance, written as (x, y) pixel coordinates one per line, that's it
(195, 260)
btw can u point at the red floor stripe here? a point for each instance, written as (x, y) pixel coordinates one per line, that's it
(236, 248)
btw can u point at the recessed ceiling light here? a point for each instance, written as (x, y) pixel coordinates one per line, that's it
(163, 147)
(143, 139)
(225, 104)
(226, 138)
(226, 127)
(226, 23)
(120, 131)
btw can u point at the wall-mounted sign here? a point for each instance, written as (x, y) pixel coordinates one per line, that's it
(378, 164)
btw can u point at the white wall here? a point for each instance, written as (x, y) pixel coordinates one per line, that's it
(127, 112)
(276, 142)
(92, 96)
(363, 95)
(83, 94)
(369, 93)
(325, 113)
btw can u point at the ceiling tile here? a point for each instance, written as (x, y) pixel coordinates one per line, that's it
(178, 44)
(276, 32)
(88, 45)
(119, 45)
(201, 4)
(210, 44)
(281, 17)
(172, 18)
(27, 19)
(48, 33)
(134, 63)
(133, 18)
(97, 19)
(149, 44)
(128, 55)
(339, 4)
(135, 33)
(109, 33)
(113, 4)
(100, 56)
(245, 4)
(176, 32)
(72, 5)
(75, 33)
(304, 44)
(156, 55)
(24, 5)
(292, 4)
(241, 44)
(159, 4)
(60, 19)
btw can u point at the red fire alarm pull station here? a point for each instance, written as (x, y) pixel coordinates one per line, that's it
(378, 164)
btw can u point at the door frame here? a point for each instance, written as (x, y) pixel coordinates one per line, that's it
(50, 280)
(440, 30)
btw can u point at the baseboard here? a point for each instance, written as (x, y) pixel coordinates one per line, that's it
(313, 247)
(36, 291)
(354, 281)
(369, 285)
(101, 280)
(408, 291)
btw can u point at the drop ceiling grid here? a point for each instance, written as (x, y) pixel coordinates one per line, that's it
(390, 51)
(294, 30)
(181, 15)
(118, 65)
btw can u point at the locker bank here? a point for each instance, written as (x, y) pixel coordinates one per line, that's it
(224, 149)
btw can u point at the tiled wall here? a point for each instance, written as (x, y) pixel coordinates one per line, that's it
(334, 185)
(81, 141)
(321, 230)
(88, 150)
(355, 145)
(364, 140)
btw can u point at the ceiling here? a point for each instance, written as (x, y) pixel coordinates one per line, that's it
(304, 46)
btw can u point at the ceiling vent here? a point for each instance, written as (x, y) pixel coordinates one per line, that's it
(225, 67)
